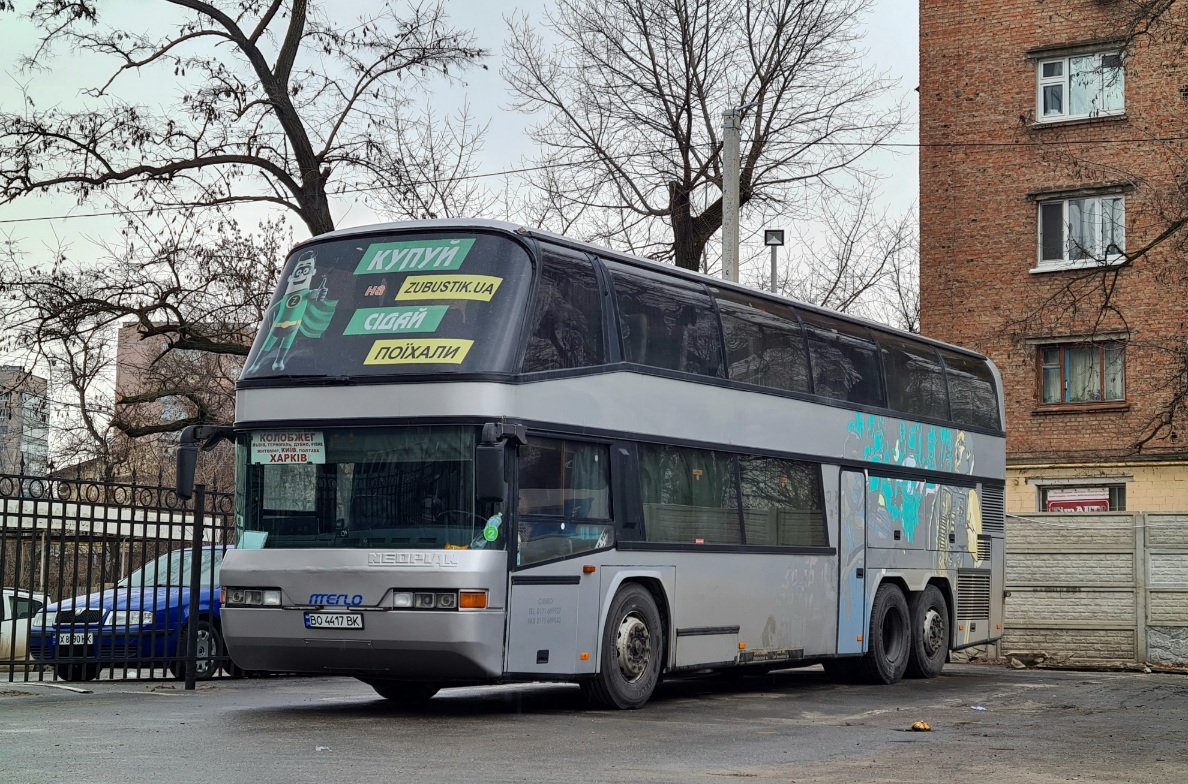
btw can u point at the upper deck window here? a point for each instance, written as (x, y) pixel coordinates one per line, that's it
(844, 360)
(764, 344)
(395, 304)
(915, 378)
(667, 323)
(566, 317)
(973, 398)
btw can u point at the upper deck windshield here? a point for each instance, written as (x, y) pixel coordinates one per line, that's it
(395, 304)
(404, 487)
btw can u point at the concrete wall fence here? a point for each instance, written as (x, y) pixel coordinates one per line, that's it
(1097, 588)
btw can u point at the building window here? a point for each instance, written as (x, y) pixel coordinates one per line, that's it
(1081, 232)
(1109, 498)
(1071, 88)
(1087, 373)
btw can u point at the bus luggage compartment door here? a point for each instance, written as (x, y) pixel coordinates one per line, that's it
(550, 621)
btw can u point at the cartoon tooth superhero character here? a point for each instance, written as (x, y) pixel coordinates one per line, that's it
(302, 310)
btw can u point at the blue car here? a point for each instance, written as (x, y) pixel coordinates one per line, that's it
(142, 621)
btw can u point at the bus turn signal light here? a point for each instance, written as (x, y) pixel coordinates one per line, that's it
(472, 600)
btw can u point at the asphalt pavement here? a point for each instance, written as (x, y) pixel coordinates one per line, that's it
(987, 722)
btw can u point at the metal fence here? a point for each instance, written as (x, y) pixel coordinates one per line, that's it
(110, 580)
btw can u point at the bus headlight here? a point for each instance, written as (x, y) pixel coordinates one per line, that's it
(252, 597)
(423, 600)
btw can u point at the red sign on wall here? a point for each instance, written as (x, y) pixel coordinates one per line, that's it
(1080, 499)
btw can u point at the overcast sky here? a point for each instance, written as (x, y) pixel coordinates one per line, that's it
(891, 41)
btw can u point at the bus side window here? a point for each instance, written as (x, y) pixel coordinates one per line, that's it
(564, 499)
(566, 317)
(764, 344)
(915, 378)
(689, 496)
(783, 503)
(844, 360)
(972, 396)
(667, 326)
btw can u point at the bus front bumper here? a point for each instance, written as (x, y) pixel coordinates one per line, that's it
(399, 645)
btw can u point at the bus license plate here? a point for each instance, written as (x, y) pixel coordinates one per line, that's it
(77, 638)
(333, 621)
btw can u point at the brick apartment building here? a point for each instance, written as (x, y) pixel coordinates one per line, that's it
(1053, 150)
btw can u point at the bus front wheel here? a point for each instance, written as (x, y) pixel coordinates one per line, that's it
(889, 643)
(930, 633)
(632, 647)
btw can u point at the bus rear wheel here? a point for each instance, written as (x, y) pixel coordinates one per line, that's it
(889, 642)
(930, 633)
(632, 647)
(404, 694)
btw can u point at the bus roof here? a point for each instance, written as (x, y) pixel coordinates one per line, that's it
(655, 266)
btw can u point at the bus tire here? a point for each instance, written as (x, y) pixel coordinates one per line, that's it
(889, 643)
(930, 633)
(404, 694)
(632, 647)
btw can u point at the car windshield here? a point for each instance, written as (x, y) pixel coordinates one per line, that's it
(172, 570)
(363, 487)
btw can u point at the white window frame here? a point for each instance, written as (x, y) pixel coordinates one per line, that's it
(1063, 81)
(1109, 251)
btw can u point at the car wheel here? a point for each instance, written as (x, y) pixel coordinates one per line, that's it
(632, 651)
(930, 633)
(78, 671)
(209, 652)
(889, 641)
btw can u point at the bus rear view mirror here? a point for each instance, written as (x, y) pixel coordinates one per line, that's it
(187, 464)
(489, 482)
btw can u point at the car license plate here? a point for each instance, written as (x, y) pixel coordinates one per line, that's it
(76, 638)
(315, 620)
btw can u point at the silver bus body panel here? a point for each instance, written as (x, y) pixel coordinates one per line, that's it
(733, 418)
(802, 605)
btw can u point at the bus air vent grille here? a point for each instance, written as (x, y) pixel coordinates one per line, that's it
(973, 596)
(993, 509)
(983, 548)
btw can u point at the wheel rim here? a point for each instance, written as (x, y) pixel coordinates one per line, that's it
(633, 647)
(205, 646)
(934, 632)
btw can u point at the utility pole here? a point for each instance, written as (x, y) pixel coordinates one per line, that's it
(731, 132)
(773, 238)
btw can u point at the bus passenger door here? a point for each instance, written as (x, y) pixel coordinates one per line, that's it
(851, 550)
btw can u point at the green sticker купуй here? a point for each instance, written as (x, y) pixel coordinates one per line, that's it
(415, 255)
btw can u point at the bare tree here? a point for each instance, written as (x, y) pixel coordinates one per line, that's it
(281, 104)
(858, 260)
(187, 294)
(630, 102)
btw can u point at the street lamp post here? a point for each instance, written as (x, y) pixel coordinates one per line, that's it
(773, 238)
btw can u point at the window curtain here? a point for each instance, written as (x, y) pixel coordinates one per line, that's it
(1083, 375)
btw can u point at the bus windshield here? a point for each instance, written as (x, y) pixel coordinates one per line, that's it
(409, 487)
(394, 304)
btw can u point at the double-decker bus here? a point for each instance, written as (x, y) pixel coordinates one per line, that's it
(471, 452)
